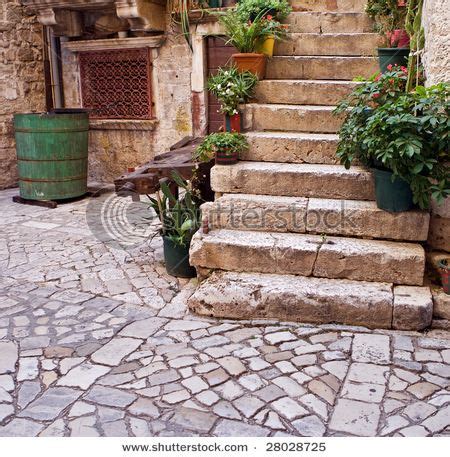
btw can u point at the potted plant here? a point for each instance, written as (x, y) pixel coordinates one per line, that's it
(224, 147)
(444, 270)
(402, 136)
(251, 9)
(180, 219)
(246, 37)
(276, 31)
(389, 20)
(232, 87)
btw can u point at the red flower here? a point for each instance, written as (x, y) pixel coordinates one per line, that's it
(389, 67)
(404, 69)
(269, 17)
(376, 95)
(377, 78)
(391, 81)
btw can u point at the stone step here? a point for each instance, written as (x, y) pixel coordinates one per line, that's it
(291, 147)
(292, 118)
(320, 67)
(313, 300)
(294, 180)
(358, 6)
(303, 92)
(330, 44)
(354, 218)
(331, 22)
(309, 255)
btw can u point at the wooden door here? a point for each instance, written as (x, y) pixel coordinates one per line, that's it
(218, 55)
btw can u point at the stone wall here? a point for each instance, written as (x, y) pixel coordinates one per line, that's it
(21, 79)
(436, 22)
(436, 59)
(116, 146)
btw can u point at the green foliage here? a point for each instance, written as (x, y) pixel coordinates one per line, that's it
(247, 9)
(244, 35)
(387, 15)
(180, 218)
(406, 133)
(226, 142)
(416, 33)
(232, 87)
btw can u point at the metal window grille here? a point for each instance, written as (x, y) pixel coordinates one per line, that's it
(116, 84)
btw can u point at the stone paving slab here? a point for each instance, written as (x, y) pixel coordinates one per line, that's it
(99, 342)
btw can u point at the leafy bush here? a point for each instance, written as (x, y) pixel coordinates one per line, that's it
(232, 87)
(180, 218)
(406, 133)
(248, 9)
(226, 142)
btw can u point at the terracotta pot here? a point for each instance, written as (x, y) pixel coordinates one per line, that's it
(444, 270)
(398, 38)
(251, 61)
(233, 123)
(226, 158)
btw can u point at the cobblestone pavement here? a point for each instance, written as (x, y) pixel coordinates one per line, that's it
(96, 341)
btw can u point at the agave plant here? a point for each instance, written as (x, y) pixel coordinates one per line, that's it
(180, 218)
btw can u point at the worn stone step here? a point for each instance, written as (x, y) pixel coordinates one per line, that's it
(328, 22)
(294, 180)
(358, 6)
(291, 147)
(330, 44)
(303, 92)
(354, 218)
(309, 255)
(291, 118)
(320, 67)
(313, 300)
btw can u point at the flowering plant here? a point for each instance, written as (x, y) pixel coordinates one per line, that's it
(274, 28)
(232, 87)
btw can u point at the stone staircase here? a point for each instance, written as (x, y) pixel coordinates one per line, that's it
(293, 234)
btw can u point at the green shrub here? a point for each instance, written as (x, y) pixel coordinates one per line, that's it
(224, 141)
(406, 133)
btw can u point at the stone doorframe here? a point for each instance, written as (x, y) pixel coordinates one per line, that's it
(199, 74)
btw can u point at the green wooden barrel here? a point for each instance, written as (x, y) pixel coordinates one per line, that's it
(52, 154)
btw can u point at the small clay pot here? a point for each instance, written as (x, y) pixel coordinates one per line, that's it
(251, 61)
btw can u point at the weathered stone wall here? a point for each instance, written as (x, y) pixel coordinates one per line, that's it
(436, 59)
(116, 146)
(21, 79)
(436, 22)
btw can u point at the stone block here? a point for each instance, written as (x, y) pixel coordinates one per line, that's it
(413, 308)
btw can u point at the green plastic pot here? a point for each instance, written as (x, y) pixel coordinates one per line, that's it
(392, 196)
(392, 56)
(177, 259)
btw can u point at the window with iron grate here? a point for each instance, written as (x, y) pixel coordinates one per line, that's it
(116, 84)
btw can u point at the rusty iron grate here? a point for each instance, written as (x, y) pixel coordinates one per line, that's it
(116, 84)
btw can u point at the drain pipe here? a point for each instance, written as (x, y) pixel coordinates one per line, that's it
(54, 57)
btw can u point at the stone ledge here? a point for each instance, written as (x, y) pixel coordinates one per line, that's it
(123, 124)
(114, 43)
